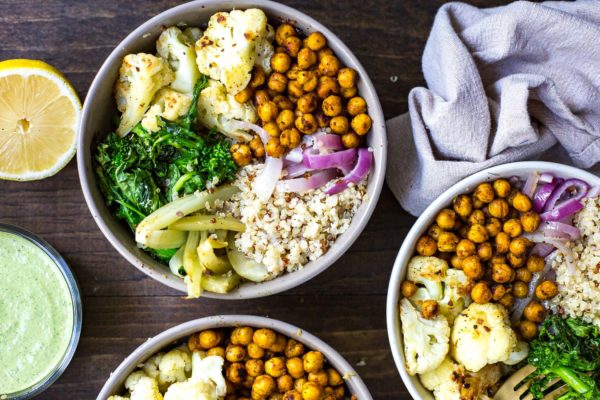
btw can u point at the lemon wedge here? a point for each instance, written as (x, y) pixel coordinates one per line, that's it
(39, 115)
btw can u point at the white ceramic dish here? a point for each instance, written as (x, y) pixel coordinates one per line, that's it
(114, 385)
(521, 169)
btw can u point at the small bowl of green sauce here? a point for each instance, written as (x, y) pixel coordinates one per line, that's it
(40, 314)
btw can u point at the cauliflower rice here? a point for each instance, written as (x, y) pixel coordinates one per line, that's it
(579, 294)
(291, 229)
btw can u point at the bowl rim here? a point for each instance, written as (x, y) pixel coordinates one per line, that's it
(76, 304)
(405, 251)
(178, 332)
(287, 280)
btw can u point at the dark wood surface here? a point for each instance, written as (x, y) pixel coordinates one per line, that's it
(345, 306)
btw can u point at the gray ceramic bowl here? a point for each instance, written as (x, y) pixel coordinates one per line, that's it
(114, 385)
(394, 326)
(99, 109)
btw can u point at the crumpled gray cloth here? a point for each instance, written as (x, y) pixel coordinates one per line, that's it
(504, 84)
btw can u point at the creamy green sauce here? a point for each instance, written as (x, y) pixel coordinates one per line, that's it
(36, 314)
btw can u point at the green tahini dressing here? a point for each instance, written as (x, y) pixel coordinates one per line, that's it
(36, 314)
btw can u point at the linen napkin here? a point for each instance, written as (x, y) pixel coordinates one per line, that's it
(504, 84)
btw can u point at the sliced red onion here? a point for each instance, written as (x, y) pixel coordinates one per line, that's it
(542, 195)
(564, 229)
(546, 177)
(340, 159)
(531, 184)
(327, 142)
(358, 173)
(563, 210)
(314, 181)
(296, 170)
(567, 254)
(594, 192)
(541, 249)
(567, 187)
(264, 184)
(295, 155)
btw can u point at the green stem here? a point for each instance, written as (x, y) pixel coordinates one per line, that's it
(572, 379)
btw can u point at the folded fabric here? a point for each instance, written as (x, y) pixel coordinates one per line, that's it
(504, 84)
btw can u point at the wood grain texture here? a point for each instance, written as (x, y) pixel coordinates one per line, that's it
(345, 306)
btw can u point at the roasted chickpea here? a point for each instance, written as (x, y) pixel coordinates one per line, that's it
(332, 106)
(361, 124)
(264, 385)
(477, 204)
(258, 78)
(347, 77)
(481, 293)
(534, 312)
(267, 111)
(446, 219)
(477, 233)
(285, 119)
(356, 106)
(465, 248)
(244, 95)
(281, 62)
(292, 46)
(255, 351)
(241, 154)
(462, 205)
(447, 241)
(498, 259)
(277, 82)
(235, 353)
(426, 246)
(429, 309)
(339, 393)
(264, 337)
(535, 263)
(476, 217)
(520, 289)
(456, 261)
(518, 246)
(272, 129)
(261, 97)
(348, 93)
(522, 202)
(498, 291)
(408, 288)
(236, 373)
(523, 274)
(472, 267)
(434, 231)
(530, 221)
(209, 338)
(274, 396)
(493, 226)
(294, 349)
(311, 391)
(339, 125)
(293, 73)
(316, 41)
(255, 367)
(334, 377)
(216, 351)
(484, 192)
(295, 367)
(308, 80)
(508, 301)
(275, 367)
(298, 383)
(242, 335)
(502, 273)
(546, 290)
(285, 383)
(320, 378)
(327, 86)
(279, 345)
(512, 228)
(313, 361)
(295, 90)
(290, 138)
(193, 343)
(324, 52)
(499, 208)
(292, 395)
(501, 187)
(282, 32)
(307, 103)
(256, 146)
(527, 329)
(329, 65)
(350, 140)
(306, 58)
(485, 251)
(502, 243)
(274, 148)
(306, 123)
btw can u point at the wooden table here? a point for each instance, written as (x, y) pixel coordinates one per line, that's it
(345, 305)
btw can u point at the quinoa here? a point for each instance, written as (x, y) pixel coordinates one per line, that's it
(579, 293)
(291, 229)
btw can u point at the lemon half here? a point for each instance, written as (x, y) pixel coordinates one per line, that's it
(39, 115)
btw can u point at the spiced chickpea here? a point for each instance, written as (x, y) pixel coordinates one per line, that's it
(292, 395)
(502, 243)
(515, 261)
(311, 391)
(258, 78)
(306, 123)
(484, 192)
(493, 226)
(294, 89)
(520, 289)
(546, 290)
(209, 338)
(272, 129)
(334, 377)
(350, 140)
(264, 385)
(347, 77)
(274, 148)
(522, 202)
(298, 383)
(477, 204)
(313, 361)
(348, 93)
(527, 329)
(361, 124)
(285, 383)
(476, 217)
(498, 291)
(267, 111)
(485, 251)
(279, 345)
(285, 119)
(408, 288)
(502, 273)
(307, 103)
(255, 351)
(429, 309)
(339, 124)
(264, 337)
(329, 65)
(446, 219)
(261, 97)
(462, 205)
(235, 353)
(327, 86)
(508, 301)
(472, 267)
(216, 351)
(501, 187)
(512, 228)
(447, 241)
(319, 378)
(426, 246)
(242, 335)
(274, 396)
(324, 52)
(434, 231)
(294, 72)
(294, 348)
(481, 293)
(518, 246)
(339, 393)
(306, 58)
(316, 41)
(456, 261)
(236, 372)
(530, 221)
(257, 147)
(283, 102)
(281, 62)
(477, 233)
(498, 259)
(193, 343)
(534, 312)
(465, 248)
(277, 82)
(275, 367)
(290, 138)
(308, 80)
(241, 154)
(332, 106)
(282, 32)
(244, 95)
(295, 367)
(499, 208)
(523, 274)
(292, 45)
(255, 367)
(356, 105)
(535, 263)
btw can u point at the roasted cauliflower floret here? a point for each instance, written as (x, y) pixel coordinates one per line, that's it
(175, 47)
(196, 389)
(425, 340)
(167, 104)
(118, 398)
(482, 335)
(518, 353)
(142, 387)
(150, 367)
(140, 77)
(451, 381)
(209, 368)
(217, 109)
(174, 366)
(232, 45)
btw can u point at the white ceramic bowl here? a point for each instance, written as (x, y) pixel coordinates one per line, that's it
(521, 169)
(114, 385)
(99, 109)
